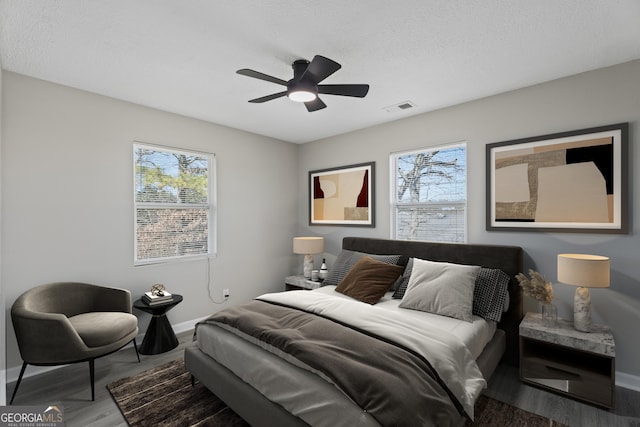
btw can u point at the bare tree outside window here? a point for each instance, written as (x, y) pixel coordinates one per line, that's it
(429, 194)
(172, 203)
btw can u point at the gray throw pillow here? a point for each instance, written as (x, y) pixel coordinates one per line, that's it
(347, 259)
(441, 288)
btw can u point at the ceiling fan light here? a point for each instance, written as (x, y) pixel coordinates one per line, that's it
(301, 96)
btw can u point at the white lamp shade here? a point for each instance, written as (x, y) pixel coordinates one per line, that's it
(589, 271)
(308, 245)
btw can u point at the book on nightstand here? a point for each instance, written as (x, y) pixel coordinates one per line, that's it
(151, 299)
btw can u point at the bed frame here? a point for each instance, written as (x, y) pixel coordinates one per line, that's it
(257, 410)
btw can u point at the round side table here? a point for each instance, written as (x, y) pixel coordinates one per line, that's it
(159, 337)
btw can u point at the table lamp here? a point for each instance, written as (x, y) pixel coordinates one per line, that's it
(308, 246)
(584, 271)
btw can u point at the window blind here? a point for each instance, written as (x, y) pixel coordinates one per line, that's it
(173, 200)
(429, 194)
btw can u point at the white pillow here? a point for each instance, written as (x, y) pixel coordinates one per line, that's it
(441, 288)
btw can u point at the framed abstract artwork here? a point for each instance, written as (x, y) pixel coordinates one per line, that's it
(342, 196)
(567, 182)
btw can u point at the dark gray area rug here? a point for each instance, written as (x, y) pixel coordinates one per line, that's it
(164, 396)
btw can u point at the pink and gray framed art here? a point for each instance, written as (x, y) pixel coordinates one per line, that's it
(567, 182)
(342, 195)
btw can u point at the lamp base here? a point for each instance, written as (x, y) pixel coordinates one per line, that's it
(308, 266)
(582, 310)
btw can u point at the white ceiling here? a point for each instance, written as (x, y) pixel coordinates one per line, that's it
(181, 56)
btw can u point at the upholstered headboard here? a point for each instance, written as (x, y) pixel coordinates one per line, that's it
(506, 258)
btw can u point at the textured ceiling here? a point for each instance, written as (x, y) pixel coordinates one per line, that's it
(181, 56)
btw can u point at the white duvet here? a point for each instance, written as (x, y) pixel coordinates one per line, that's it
(475, 335)
(448, 354)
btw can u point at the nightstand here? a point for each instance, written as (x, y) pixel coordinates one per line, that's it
(561, 359)
(294, 283)
(159, 337)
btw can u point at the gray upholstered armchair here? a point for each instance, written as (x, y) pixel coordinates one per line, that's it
(62, 323)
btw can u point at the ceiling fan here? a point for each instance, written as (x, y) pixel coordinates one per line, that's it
(304, 87)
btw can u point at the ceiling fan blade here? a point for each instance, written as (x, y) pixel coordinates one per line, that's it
(268, 97)
(319, 69)
(315, 105)
(359, 91)
(258, 75)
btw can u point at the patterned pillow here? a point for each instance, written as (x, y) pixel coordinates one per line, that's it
(401, 287)
(347, 259)
(490, 294)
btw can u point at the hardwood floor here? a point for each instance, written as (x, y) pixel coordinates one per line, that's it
(69, 386)
(506, 387)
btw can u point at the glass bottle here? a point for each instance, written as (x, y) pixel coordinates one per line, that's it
(322, 274)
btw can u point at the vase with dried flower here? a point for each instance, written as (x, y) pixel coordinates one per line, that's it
(540, 289)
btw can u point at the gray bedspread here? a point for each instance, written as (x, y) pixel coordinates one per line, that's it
(393, 383)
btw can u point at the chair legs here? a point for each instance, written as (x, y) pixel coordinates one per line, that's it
(24, 366)
(92, 376)
(92, 369)
(136, 347)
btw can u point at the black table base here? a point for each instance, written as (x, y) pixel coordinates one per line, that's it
(159, 337)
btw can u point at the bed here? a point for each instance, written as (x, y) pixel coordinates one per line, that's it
(272, 383)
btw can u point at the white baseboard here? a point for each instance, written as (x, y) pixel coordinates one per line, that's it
(632, 382)
(186, 326)
(13, 373)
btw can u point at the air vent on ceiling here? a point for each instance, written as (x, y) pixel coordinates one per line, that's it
(400, 107)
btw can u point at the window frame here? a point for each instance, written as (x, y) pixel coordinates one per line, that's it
(393, 186)
(210, 205)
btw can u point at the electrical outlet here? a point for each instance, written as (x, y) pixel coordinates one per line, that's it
(225, 294)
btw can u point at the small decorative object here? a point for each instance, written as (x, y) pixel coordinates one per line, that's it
(158, 290)
(308, 246)
(315, 275)
(322, 274)
(157, 295)
(540, 289)
(549, 313)
(584, 271)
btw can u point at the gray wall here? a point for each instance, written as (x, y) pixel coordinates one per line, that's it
(3, 354)
(591, 99)
(67, 192)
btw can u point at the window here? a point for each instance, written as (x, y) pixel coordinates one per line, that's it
(173, 203)
(429, 194)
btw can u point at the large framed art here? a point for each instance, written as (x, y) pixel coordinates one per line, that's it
(342, 195)
(568, 182)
